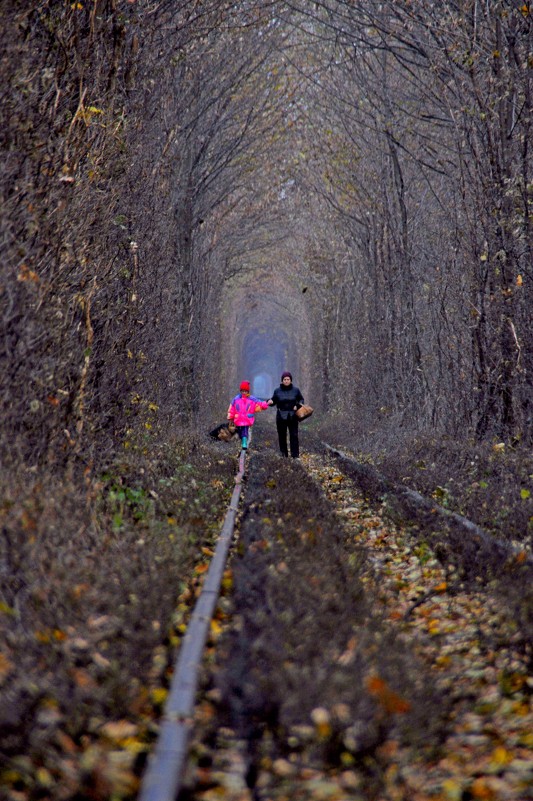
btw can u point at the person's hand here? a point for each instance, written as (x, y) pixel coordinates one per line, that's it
(270, 402)
(295, 409)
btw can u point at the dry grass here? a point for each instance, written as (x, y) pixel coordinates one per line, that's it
(90, 574)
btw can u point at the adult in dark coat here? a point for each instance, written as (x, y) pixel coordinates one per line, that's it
(288, 399)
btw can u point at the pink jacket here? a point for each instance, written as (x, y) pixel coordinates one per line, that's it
(242, 409)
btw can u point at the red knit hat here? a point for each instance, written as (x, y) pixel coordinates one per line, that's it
(245, 386)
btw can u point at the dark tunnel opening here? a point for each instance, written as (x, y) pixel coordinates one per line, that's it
(263, 361)
(266, 322)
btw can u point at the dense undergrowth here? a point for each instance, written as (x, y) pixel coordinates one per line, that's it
(90, 574)
(488, 482)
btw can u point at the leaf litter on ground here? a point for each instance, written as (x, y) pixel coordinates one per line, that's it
(468, 639)
(469, 643)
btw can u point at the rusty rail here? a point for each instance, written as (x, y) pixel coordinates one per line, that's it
(164, 773)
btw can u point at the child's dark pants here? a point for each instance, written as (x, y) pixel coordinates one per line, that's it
(242, 432)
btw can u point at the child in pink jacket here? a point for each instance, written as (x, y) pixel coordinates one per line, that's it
(242, 410)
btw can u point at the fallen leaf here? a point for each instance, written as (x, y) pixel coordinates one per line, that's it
(321, 719)
(118, 730)
(386, 697)
(82, 678)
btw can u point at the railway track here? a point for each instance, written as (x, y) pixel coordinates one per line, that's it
(163, 777)
(478, 548)
(302, 679)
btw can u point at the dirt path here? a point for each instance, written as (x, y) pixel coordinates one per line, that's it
(351, 664)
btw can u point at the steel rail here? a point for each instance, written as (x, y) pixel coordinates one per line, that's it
(164, 774)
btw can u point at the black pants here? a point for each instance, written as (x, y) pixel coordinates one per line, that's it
(290, 425)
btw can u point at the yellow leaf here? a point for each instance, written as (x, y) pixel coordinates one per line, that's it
(227, 581)
(134, 745)
(10, 776)
(44, 777)
(500, 757)
(433, 626)
(216, 629)
(519, 280)
(453, 790)
(158, 695)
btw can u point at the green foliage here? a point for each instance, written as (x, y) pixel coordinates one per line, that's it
(423, 552)
(132, 500)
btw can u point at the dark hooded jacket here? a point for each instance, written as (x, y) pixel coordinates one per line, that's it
(286, 398)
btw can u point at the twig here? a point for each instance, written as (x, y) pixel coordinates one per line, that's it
(425, 597)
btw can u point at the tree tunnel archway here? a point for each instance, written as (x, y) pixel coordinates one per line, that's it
(267, 329)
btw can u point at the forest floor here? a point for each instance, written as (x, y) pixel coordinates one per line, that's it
(347, 660)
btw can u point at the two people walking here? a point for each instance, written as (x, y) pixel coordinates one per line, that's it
(287, 398)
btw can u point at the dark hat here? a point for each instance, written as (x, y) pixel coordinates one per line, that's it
(245, 386)
(286, 374)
